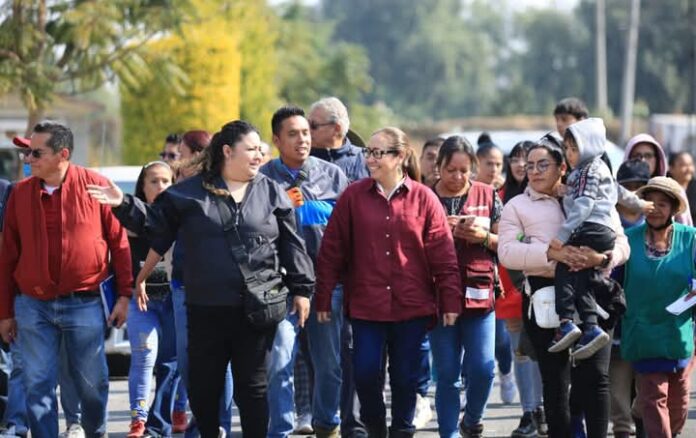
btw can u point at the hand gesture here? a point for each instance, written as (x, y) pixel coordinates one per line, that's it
(301, 306)
(556, 244)
(141, 296)
(110, 195)
(449, 319)
(120, 312)
(648, 207)
(8, 330)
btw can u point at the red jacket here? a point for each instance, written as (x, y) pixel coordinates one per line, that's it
(397, 257)
(90, 234)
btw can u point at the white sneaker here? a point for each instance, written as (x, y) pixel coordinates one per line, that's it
(303, 426)
(73, 431)
(423, 412)
(222, 433)
(508, 389)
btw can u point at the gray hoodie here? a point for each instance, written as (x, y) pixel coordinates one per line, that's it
(591, 189)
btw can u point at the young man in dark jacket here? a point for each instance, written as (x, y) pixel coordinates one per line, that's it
(313, 185)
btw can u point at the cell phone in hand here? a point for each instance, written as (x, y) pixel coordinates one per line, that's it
(467, 219)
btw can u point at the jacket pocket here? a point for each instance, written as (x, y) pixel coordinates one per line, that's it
(478, 287)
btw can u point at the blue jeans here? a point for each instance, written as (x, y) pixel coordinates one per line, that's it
(476, 336)
(78, 322)
(528, 378)
(503, 348)
(325, 351)
(153, 344)
(15, 417)
(402, 341)
(180, 321)
(424, 381)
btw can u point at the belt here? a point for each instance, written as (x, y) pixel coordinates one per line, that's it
(79, 294)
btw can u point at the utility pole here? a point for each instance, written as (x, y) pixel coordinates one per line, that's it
(601, 57)
(629, 76)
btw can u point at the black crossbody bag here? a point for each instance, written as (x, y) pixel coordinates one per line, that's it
(264, 300)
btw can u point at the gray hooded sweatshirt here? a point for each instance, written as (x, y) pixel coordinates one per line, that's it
(591, 189)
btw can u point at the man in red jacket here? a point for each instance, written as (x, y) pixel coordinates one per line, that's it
(57, 247)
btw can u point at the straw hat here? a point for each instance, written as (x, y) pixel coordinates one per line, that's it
(669, 187)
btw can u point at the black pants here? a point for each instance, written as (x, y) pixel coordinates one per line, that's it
(576, 290)
(587, 381)
(218, 335)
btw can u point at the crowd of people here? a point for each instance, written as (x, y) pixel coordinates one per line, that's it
(298, 287)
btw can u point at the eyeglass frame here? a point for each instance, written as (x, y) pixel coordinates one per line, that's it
(541, 166)
(314, 125)
(27, 152)
(367, 152)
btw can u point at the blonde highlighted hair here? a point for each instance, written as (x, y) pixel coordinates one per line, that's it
(398, 140)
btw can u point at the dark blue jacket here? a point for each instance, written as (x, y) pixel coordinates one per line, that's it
(323, 185)
(348, 157)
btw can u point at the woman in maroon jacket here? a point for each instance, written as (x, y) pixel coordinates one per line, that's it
(389, 241)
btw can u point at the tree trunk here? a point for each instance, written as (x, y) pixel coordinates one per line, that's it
(35, 116)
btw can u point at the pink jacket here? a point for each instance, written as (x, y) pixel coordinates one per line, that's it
(529, 222)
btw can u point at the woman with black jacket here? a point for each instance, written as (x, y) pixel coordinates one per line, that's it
(219, 331)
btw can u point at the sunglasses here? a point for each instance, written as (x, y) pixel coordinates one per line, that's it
(378, 153)
(314, 125)
(33, 153)
(169, 155)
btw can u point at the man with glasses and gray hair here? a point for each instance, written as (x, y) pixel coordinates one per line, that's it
(329, 125)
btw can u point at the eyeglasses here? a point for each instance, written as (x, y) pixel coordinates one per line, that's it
(378, 153)
(33, 153)
(541, 166)
(169, 155)
(641, 157)
(314, 125)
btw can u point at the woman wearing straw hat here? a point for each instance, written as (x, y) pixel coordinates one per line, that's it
(659, 344)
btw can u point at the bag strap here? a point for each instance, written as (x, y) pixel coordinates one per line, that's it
(234, 241)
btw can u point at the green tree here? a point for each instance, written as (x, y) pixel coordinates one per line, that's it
(257, 27)
(51, 46)
(207, 97)
(316, 65)
(429, 58)
(666, 47)
(555, 61)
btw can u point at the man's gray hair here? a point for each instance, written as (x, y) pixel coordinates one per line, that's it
(336, 111)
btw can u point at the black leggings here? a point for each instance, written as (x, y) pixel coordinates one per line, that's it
(588, 380)
(218, 335)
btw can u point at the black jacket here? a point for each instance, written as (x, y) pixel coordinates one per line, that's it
(211, 275)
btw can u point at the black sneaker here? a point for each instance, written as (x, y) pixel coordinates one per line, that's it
(527, 428)
(470, 432)
(540, 422)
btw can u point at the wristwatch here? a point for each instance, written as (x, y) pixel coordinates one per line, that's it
(606, 261)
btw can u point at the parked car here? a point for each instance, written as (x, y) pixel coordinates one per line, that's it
(116, 345)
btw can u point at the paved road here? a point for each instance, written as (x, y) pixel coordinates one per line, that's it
(500, 419)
